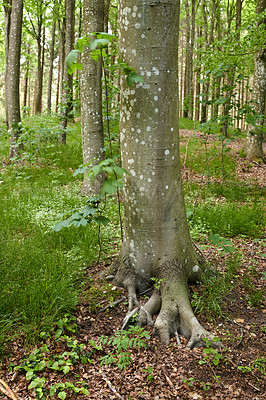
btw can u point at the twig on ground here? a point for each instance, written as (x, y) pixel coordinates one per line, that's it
(254, 387)
(110, 386)
(146, 291)
(198, 249)
(240, 340)
(170, 383)
(113, 304)
(128, 316)
(5, 389)
(185, 159)
(177, 338)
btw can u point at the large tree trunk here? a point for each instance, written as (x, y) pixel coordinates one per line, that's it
(157, 242)
(13, 27)
(91, 95)
(255, 135)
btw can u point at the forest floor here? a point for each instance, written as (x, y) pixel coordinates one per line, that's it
(160, 372)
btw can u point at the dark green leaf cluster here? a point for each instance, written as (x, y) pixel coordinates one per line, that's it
(98, 47)
(92, 212)
(122, 342)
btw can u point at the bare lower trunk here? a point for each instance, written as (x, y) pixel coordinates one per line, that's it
(91, 96)
(67, 90)
(157, 242)
(13, 27)
(50, 78)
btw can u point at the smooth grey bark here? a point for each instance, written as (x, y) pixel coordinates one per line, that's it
(230, 79)
(13, 27)
(91, 95)
(38, 34)
(26, 85)
(254, 136)
(157, 242)
(67, 84)
(51, 68)
(190, 39)
(209, 36)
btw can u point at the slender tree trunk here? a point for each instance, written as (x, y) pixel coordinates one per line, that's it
(25, 94)
(91, 95)
(107, 4)
(157, 241)
(181, 73)
(38, 104)
(190, 17)
(13, 27)
(198, 77)
(231, 72)
(29, 97)
(67, 93)
(51, 68)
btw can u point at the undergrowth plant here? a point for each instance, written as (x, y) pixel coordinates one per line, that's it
(216, 288)
(42, 360)
(122, 342)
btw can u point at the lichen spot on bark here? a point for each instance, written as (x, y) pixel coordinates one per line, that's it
(195, 268)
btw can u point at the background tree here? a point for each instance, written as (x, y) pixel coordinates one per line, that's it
(190, 39)
(256, 135)
(36, 13)
(67, 93)
(157, 243)
(13, 27)
(91, 94)
(51, 65)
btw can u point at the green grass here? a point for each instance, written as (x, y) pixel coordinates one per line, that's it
(42, 270)
(228, 219)
(207, 159)
(185, 123)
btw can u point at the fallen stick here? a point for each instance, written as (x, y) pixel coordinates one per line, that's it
(5, 389)
(110, 386)
(115, 303)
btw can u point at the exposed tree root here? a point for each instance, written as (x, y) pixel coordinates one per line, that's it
(170, 303)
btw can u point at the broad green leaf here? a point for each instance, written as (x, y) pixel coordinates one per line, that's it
(60, 225)
(81, 222)
(133, 78)
(62, 395)
(101, 220)
(52, 390)
(80, 170)
(87, 210)
(71, 59)
(99, 43)
(251, 119)
(108, 187)
(105, 35)
(66, 369)
(75, 216)
(29, 375)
